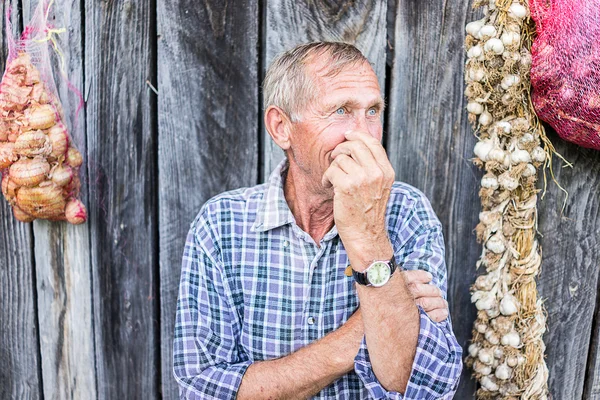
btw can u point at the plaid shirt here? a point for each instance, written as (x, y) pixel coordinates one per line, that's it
(254, 286)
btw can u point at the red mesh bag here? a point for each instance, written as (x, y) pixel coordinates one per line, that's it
(565, 69)
(39, 164)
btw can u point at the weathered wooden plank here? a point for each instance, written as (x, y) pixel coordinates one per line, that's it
(208, 127)
(62, 255)
(292, 22)
(121, 137)
(570, 267)
(430, 143)
(19, 344)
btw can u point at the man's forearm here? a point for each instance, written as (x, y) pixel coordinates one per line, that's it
(308, 370)
(391, 324)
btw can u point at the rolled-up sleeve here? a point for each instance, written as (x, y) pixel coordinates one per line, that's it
(207, 363)
(436, 369)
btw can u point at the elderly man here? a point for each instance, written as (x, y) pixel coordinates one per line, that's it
(273, 275)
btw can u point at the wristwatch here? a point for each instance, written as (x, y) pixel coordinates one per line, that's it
(377, 274)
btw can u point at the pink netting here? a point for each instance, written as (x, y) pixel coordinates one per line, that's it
(565, 70)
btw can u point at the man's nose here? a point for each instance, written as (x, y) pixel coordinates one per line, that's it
(360, 123)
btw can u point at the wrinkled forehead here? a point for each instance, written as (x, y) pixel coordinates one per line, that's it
(324, 66)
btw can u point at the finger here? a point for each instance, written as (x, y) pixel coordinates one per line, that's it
(432, 303)
(417, 276)
(438, 315)
(333, 176)
(372, 143)
(347, 164)
(424, 290)
(358, 151)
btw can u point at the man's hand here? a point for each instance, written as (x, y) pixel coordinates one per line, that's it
(362, 177)
(426, 295)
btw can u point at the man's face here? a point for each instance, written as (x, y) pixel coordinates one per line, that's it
(350, 100)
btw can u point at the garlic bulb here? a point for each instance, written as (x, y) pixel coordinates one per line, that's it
(483, 300)
(538, 154)
(474, 349)
(473, 28)
(492, 337)
(481, 328)
(510, 38)
(495, 244)
(485, 355)
(494, 45)
(509, 81)
(482, 148)
(509, 305)
(529, 171)
(497, 155)
(488, 384)
(485, 118)
(512, 361)
(482, 368)
(517, 11)
(486, 32)
(511, 339)
(503, 126)
(475, 52)
(476, 74)
(498, 352)
(519, 156)
(475, 107)
(508, 182)
(503, 372)
(489, 181)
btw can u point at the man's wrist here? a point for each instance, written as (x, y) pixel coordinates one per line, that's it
(361, 257)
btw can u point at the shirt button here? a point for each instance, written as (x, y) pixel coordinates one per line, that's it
(286, 244)
(311, 320)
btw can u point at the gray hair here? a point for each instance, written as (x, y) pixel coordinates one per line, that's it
(287, 84)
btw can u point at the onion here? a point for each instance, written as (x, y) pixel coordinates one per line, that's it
(7, 155)
(29, 172)
(59, 140)
(75, 212)
(41, 117)
(74, 157)
(32, 143)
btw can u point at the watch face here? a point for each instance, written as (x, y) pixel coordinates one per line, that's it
(378, 274)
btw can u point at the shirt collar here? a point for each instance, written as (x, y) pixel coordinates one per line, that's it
(274, 211)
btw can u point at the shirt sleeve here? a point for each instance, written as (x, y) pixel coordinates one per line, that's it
(207, 363)
(436, 369)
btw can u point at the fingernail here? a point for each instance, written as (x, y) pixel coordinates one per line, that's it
(429, 275)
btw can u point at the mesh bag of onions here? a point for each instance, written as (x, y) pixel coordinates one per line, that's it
(565, 69)
(39, 164)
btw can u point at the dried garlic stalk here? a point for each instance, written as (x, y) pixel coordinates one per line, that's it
(507, 351)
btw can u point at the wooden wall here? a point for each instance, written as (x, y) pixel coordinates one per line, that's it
(87, 312)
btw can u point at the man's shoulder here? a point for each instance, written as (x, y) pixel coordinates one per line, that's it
(406, 200)
(220, 207)
(409, 195)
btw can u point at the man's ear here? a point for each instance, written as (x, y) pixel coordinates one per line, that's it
(278, 125)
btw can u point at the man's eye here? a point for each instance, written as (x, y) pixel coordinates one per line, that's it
(340, 111)
(372, 112)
